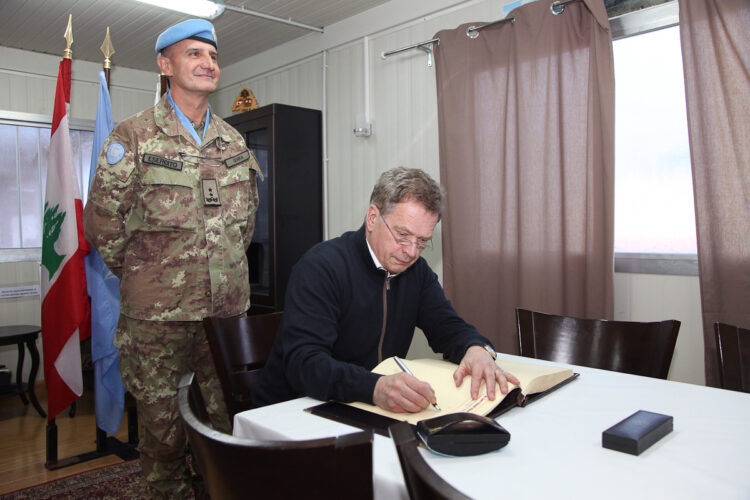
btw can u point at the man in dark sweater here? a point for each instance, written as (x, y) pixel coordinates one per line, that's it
(355, 300)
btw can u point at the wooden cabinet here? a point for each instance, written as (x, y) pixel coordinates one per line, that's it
(287, 142)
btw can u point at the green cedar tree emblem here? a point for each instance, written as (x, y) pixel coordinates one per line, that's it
(52, 226)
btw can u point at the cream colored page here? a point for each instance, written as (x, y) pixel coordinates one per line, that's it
(535, 378)
(450, 398)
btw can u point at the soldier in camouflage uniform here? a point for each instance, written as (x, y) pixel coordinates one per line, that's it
(172, 211)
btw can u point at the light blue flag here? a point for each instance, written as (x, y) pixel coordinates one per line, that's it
(104, 290)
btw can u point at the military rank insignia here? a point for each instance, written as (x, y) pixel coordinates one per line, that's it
(210, 192)
(245, 101)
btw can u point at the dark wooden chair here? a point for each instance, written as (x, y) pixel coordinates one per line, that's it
(733, 346)
(640, 348)
(240, 347)
(238, 468)
(422, 482)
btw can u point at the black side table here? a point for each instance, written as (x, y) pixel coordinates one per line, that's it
(20, 334)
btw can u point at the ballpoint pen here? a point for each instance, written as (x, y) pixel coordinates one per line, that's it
(406, 370)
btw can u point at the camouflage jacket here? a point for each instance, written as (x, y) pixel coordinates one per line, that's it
(173, 220)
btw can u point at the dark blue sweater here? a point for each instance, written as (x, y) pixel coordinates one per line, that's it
(333, 315)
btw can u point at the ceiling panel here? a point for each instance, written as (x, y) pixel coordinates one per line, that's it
(39, 25)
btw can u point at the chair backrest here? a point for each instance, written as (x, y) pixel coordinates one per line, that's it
(240, 347)
(422, 482)
(733, 346)
(640, 348)
(237, 468)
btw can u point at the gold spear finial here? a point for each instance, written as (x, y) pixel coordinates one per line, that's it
(68, 53)
(107, 49)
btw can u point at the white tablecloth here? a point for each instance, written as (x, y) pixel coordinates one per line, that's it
(555, 449)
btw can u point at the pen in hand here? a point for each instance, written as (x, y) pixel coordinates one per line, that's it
(406, 370)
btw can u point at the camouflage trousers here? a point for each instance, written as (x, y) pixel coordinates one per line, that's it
(153, 357)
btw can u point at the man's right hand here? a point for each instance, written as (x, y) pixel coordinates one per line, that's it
(402, 393)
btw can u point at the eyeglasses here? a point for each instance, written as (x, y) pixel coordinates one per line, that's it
(406, 242)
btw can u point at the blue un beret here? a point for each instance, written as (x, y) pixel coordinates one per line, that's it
(195, 29)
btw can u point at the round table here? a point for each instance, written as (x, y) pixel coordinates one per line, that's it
(20, 335)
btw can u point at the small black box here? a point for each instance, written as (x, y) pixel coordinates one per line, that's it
(637, 432)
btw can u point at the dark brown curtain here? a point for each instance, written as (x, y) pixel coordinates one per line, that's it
(526, 127)
(716, 58)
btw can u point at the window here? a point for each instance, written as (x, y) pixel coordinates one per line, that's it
(654, 212)
(24, 142)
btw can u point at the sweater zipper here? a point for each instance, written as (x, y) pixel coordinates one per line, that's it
(386, 287)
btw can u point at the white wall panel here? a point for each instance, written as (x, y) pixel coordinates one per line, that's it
(654, 297)
(128, 101)
(352, 169)
(299, 84)
(28, 81)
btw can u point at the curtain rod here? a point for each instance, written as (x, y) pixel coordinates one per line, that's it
(262, 15)
(559, 6)
(412, 46)
(472, 31)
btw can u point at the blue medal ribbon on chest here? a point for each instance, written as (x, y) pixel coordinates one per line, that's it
(186, 121)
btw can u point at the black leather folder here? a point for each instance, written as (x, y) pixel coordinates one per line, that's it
(351, 415)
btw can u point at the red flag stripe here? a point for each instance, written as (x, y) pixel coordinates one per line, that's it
(63, 89)
(60, 307)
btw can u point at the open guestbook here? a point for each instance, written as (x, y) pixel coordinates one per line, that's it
(535, 381)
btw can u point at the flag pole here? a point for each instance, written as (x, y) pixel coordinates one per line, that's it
(107, 49)
(51, 425)
(108, 446)
(68, 36)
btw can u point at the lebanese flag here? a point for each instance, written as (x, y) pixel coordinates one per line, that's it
(66, 319)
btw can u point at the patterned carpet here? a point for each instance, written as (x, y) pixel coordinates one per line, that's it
(119, 481)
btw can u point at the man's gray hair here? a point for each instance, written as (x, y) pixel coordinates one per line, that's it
(402, 184)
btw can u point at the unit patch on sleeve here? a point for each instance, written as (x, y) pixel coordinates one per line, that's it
(115, 152)
(236, 160)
